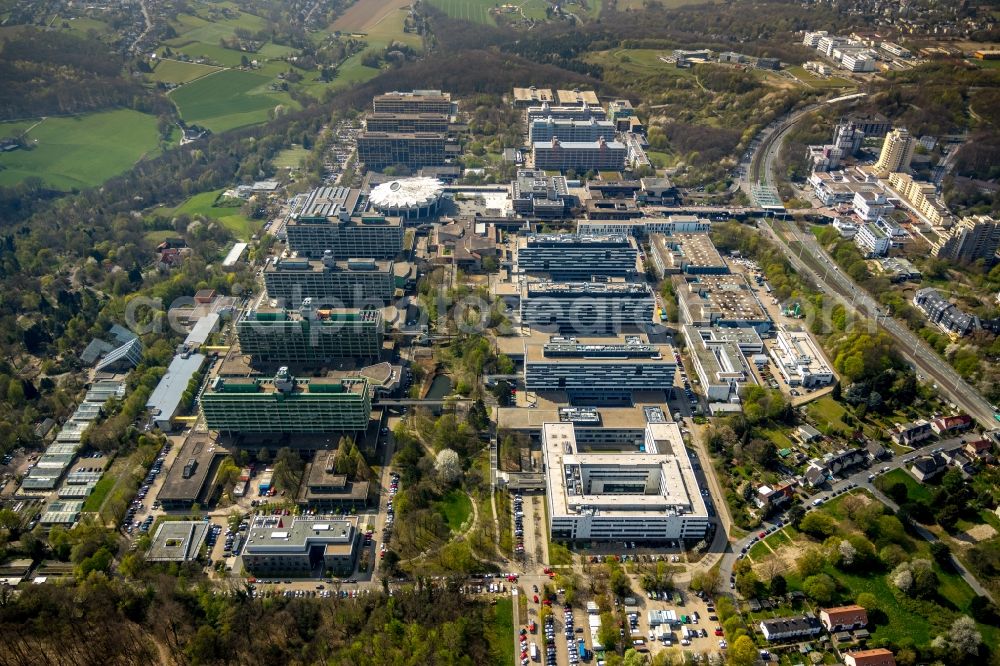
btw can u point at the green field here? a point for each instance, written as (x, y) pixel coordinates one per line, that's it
(227, 100)
(176, 71)
(811, 79)
(81, 151)
(101, 490)
(229, 216)
(827, 411)
(456, 509)
(290, 158)
(476, 11)
(915, 491)
(501, 632)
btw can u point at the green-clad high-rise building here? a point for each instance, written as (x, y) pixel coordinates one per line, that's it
(286, 404)
(310, 335)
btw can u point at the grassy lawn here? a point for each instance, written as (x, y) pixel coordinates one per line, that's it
(456, 508)
(476, 11)
(828, 411)
(778, 539)
(779, 438)
(101, 490)
(501, 632)
(176, 71)
(504, 518)
(814, 81)
(290, 158)
(81, 151)
(759, 551)
(227, 100)
(915, 490)
(230, 217)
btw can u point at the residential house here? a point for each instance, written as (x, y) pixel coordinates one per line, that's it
(842, 460)
(980, 448)
(950, 424)
(844, 618)
(815, 475)
(875, 657)
(929, 467)
(768, 496)
(909, 434)
(787, 628)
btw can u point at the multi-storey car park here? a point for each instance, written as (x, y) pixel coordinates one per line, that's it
(286, 404)
(577, 256)
(310, 334)
(649, 493)
(598, 372)
(336, 219)
(354, 283)
(587, 308)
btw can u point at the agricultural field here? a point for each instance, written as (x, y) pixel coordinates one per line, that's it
(81, 151)
(176, 71)
(475, 11)
(362, 16)
(228, 99)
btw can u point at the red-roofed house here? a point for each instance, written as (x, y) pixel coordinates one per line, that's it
(980, 448)
(844, 618)
(876, 657)
(950, 424)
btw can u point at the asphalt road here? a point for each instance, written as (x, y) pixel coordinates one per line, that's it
(860, 480)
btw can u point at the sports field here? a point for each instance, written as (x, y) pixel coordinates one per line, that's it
(175, 71)
(475, 11)
(82, 151)
(228, 99)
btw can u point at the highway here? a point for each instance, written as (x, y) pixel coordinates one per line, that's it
(810, 259)
(857, 480)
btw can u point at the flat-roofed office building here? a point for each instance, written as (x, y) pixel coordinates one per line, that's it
(310, 334)
(407, 122)
(354, 283)
(546, 129)
(286, 404)
(577, 256)
(649, 495)
(600, 155)
(300, 546)
(720, 300)
(378, 150)
(527, 97)
(587, 308)
(598, 371)
(694, 254)
(334, 219)
(585, 112)
(539, 195)
(416, 101)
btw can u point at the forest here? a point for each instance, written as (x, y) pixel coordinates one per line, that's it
(174, 616)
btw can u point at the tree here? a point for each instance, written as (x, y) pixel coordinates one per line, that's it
(868, 601)
(819, 525)
(779, 586)
(448, 466)
(964, 637)
(811, 562)
(847, 553)
(941, 553)
(902, 577)
(607, 634)
(742, 652)
(747, 584)
(820, 587)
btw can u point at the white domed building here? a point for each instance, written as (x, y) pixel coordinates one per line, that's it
(408, 198)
